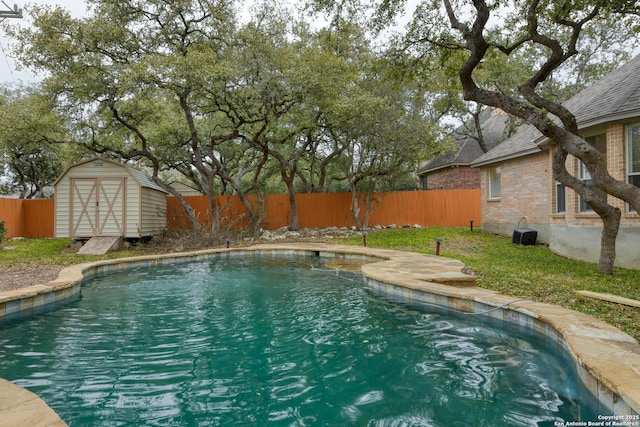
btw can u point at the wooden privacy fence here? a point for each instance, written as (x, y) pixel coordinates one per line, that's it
(35, 218)
(27, 218)
(425, 208)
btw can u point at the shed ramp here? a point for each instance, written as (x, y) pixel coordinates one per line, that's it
(100, 245)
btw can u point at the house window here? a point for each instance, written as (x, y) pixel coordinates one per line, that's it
(599, 142)
(633, 157)
(561, 205)
(494, 182)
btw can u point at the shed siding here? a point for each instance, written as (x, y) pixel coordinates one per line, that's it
(61, 209)
(153, 213)
(124, 204)
(133, 208)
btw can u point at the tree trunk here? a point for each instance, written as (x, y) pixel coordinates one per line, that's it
(611, 224)
(193, 219)
(191, 215)
(368, 210)
(537, 110)
(355, 206)
(610, 215)
(478, 128)
(294, 224)
(256, 215)
(288, 172)
(215, 218)
(262, 214)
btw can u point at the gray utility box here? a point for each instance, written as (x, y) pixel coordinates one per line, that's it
(524, 236)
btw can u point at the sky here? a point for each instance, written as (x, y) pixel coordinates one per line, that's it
(8, 72)
(8, 69)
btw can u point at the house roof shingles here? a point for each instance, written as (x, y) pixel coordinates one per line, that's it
(467, 147)
(615, 97)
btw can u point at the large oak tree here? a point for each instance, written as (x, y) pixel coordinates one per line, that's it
(30, 127)
(552, 32)
(554, 38)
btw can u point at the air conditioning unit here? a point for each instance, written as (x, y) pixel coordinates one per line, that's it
(524, 236)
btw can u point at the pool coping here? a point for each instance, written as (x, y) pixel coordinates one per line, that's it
(606, 359)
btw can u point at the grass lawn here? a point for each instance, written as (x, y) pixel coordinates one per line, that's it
(49, 253)
(531, 272)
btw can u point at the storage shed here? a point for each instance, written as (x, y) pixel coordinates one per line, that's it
(100, 197)
(184, 189)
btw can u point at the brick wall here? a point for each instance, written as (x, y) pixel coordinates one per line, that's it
(528, 190)
(525, 192)
(454, 178)
(616, 163)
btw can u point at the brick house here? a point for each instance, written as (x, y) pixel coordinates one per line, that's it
(452, 170)
(518, 188)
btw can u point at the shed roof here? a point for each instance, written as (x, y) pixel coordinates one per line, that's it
(142, 178)
(182, 187)
(145, 180)
(614, 97)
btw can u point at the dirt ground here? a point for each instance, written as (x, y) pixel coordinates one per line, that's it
(15, 278)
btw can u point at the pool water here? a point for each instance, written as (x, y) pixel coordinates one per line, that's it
(277, 341)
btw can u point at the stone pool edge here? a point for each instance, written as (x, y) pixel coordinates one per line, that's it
(606, 359)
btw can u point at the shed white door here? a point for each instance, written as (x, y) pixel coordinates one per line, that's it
(97, 207)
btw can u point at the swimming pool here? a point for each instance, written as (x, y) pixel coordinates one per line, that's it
(258, 340)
